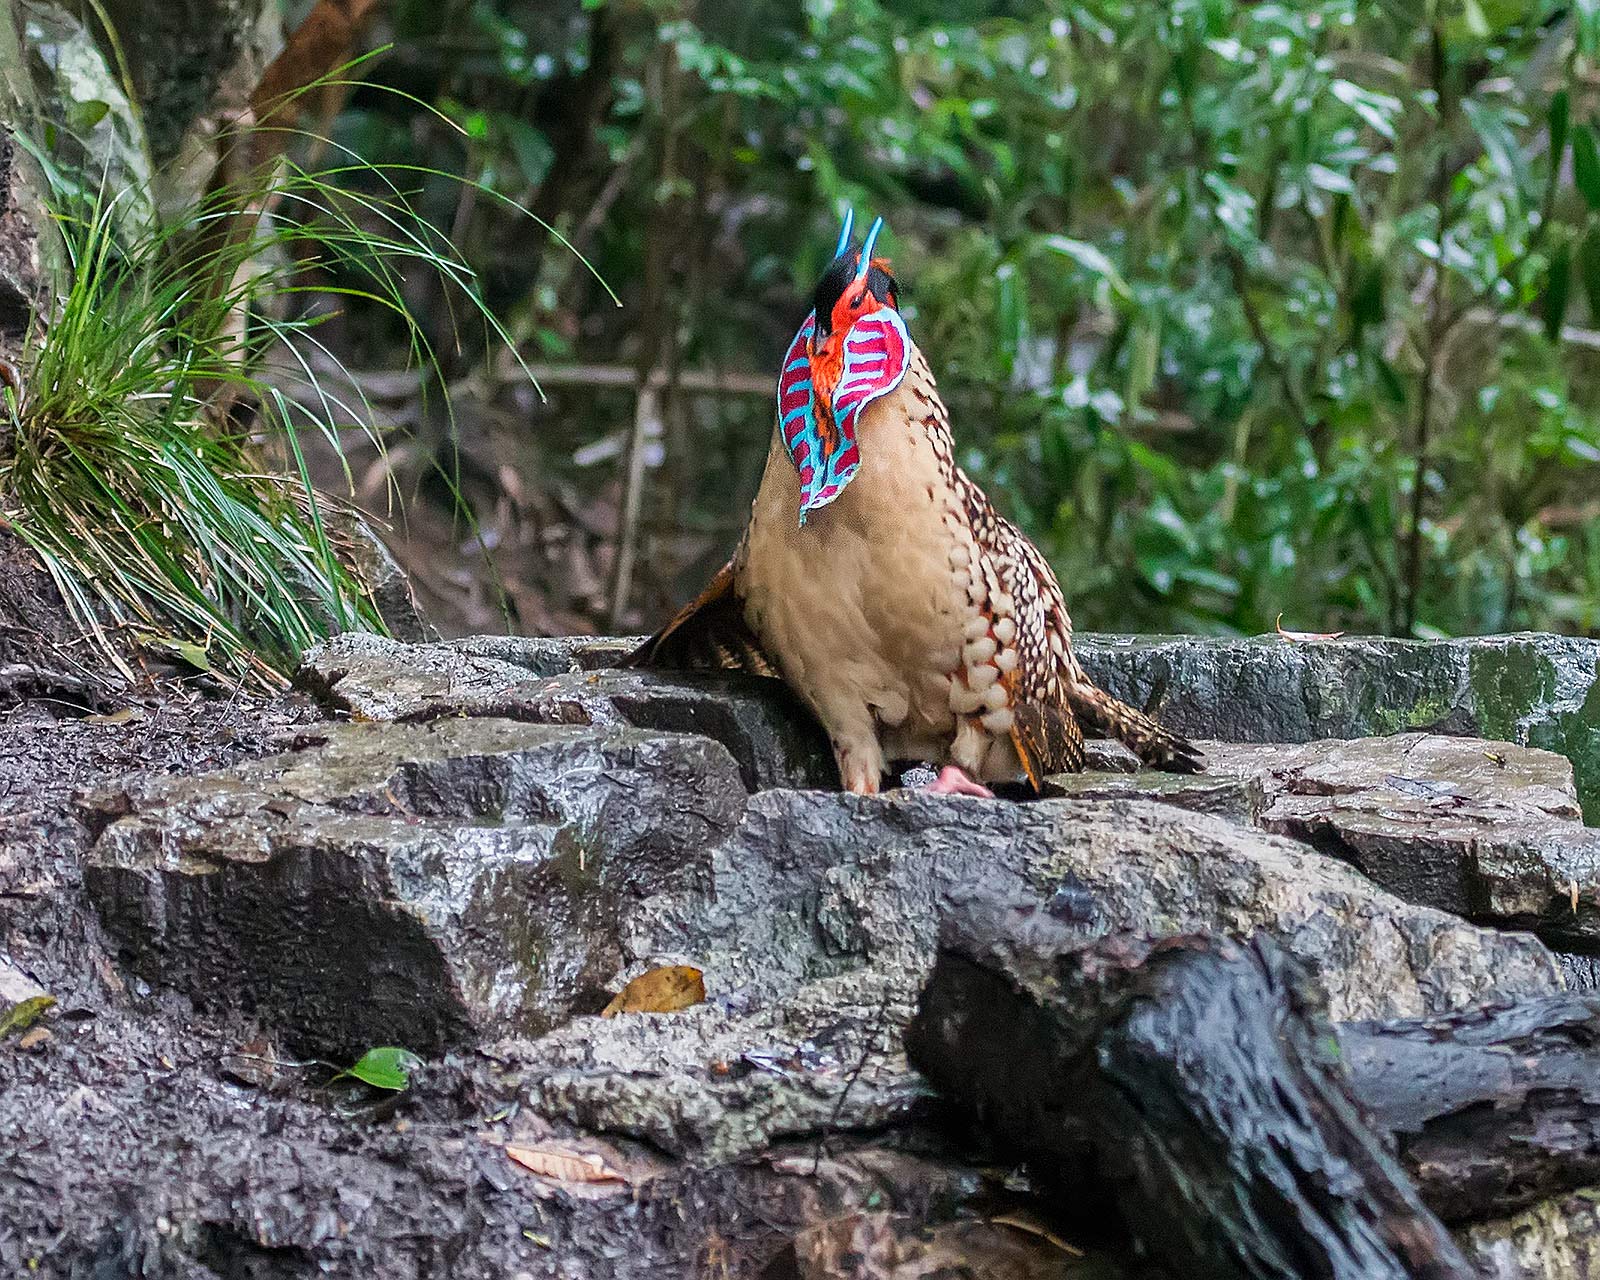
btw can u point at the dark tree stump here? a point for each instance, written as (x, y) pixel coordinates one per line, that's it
(1491, 1108)
(1194, 1080)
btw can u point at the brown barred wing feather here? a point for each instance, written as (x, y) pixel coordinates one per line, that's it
(1157, 746)
(709, 633)
(1078, 697)
(1047, 740)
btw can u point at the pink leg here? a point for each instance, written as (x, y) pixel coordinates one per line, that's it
(954, 781)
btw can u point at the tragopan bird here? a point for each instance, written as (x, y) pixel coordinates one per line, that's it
(916, 622)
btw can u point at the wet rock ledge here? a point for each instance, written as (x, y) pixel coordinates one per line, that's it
(481, 841)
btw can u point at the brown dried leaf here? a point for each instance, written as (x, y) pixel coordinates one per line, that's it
(1306, 635)
(899, 1246)
(252, 1063)
(564, 1164)
(1030, 1225)
(664, 990)
(121, 716)
(34, 1039)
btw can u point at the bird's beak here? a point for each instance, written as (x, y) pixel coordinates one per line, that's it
(827, 363)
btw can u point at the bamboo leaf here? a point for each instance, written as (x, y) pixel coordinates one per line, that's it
(1091, 259)
(386, 1067)
(1589, 271)
(1586, 164)
(1556, 122)
(1557, 292)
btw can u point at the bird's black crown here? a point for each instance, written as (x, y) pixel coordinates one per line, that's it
(841, 271)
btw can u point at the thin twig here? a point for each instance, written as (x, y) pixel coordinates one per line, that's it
(878, 1024)
(646, 414)
(1439, 325)
(658, 330)
(1270, 356)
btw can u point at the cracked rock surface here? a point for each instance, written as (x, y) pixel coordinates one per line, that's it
(468, 847)
(439, 884)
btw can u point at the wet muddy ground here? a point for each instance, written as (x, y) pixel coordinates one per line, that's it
(140, 1136)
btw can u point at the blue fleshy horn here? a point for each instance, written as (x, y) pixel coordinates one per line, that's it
(866, 249)
(844, 235)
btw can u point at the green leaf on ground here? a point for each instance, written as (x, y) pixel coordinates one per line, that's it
(386, 1067)
(23, 1014)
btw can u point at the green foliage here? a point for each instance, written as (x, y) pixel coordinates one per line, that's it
(183, 357)
(147, 510)
(385, 1067)
(1243, 309)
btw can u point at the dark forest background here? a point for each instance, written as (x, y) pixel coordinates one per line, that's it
(1242, 309)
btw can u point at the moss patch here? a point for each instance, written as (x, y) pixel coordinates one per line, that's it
(1520, 697)
(1428, 710)
(1576, 735)
(1510, 682)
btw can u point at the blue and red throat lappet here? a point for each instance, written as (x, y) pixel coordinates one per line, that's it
(875, 578)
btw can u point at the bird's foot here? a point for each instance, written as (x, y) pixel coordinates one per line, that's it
(954, 781)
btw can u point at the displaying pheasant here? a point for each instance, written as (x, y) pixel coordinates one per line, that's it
(875, 578)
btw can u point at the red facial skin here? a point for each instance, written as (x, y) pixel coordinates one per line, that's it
(827, 356)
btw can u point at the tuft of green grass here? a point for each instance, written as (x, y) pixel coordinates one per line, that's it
(134, 456)
(156, 517)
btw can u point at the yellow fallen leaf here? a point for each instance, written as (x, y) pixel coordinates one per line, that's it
(35, 1038)
(1027, 1225)
(564, 1164)
(664, 990)
(187, 651)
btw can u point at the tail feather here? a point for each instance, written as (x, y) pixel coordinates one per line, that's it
(1157, 746)
(707, 634)
(1047, 740)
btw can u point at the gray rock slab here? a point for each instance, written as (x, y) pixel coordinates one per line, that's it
(823, 924)
(551, 655)
(1236, 796)
(1487, 830)
(1533, 689)
(16, 986)
(412, 884)
(773, 739)
(463, 879)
